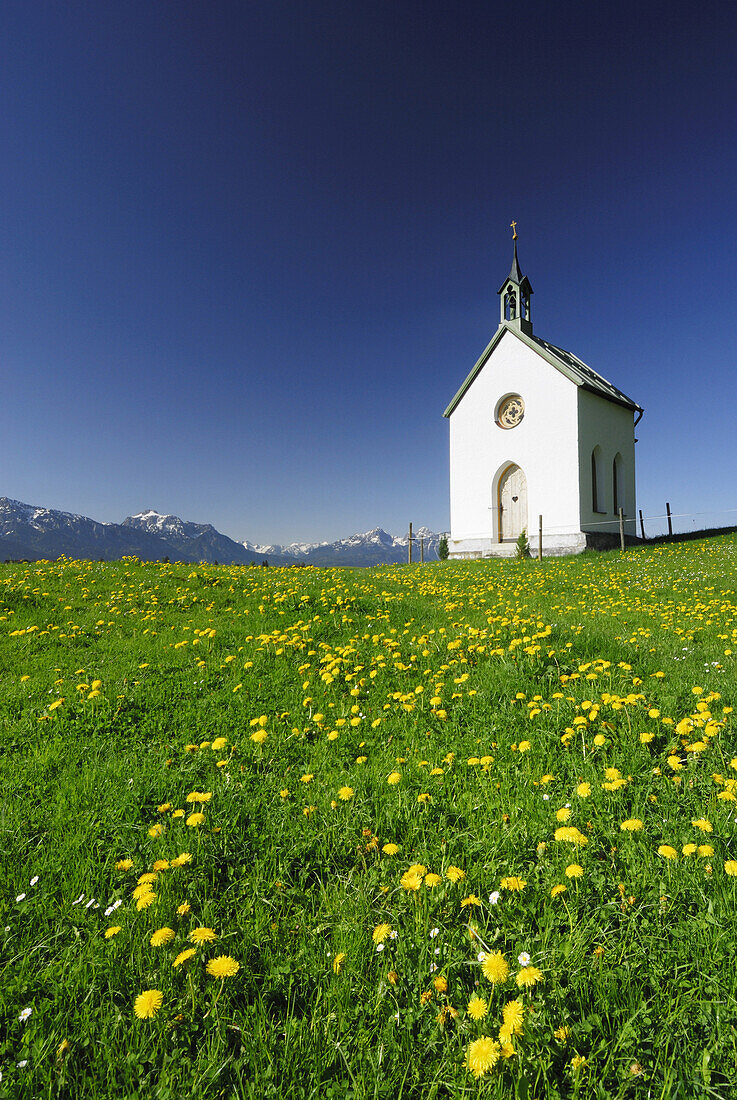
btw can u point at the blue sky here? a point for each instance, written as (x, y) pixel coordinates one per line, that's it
(251, 250)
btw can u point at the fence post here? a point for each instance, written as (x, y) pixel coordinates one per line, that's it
(540, 538)
(422, 549)
(670, 521)
(621, 529)
(409, 545)
(642, 525)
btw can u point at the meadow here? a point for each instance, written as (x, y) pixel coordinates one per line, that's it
(454, 830)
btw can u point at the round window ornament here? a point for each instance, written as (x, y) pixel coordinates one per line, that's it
(511, 411)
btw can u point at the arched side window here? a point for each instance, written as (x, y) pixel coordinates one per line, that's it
(617, 484)
(597, 481)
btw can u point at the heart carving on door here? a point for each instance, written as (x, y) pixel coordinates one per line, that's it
(515, 499)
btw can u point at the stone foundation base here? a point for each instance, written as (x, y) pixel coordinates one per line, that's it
(553, 545)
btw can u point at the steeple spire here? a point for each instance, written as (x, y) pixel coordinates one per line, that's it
(515, 294)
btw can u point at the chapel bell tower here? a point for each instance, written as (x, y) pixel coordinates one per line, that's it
(514, 295)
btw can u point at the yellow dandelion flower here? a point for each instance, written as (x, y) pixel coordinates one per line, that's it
(730, 867)
(631, 825)
(424, 798)
(688, 849)
(455, 874)
(184, 909)
(161, 865)
(563, 813)
(470, 900)
(146, 900)
(148, 1003)
(513, 1014)
(441, 983)
(223, 966)
(259, 737)
(393, 778)
(338, 962)
(529, 976)
(574, 870)
(219, 743)
(381, 933)
(571, 835)
(482, 1055)
(495, 968)
(705, 850)
(345, 794)
(411, 880)
(181, 859)
(513, 882)
(195, 820)
(703, 824)
(477, 1008)
(184, 956)
(667, 852)
(433, 880)
(390, 849)
(156, 830)
(112, 931)
(124, 865)
(562, 1034)
(161, 937)
(578, 1062)
(558, 889)
(583, 790)
(202, 935)
(164, 807)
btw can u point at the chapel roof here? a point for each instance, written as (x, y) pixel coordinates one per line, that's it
(589, 378)
(565, 361)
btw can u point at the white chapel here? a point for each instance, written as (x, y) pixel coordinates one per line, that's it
(535, 432)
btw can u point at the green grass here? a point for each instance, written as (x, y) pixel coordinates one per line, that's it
(494, 690)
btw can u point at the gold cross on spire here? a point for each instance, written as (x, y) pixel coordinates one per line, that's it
(513, 227)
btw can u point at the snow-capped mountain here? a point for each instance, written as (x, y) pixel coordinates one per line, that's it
(27, 531)
(30, 532)
(191, 541)
(375, 547)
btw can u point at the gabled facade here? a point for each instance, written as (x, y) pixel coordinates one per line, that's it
(534, 432)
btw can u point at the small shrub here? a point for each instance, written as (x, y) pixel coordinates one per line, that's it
(522, 549)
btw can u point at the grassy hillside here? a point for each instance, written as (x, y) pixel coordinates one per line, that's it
(441, 830)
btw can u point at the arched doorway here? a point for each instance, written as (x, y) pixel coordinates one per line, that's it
(512, 494)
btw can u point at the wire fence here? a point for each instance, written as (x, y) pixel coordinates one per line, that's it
(653, 525)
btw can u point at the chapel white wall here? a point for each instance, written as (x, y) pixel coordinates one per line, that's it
(545, 445)
(611, 427)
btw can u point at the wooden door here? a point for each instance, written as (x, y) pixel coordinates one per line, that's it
(512, 504)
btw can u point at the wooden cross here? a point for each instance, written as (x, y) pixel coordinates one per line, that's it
(513, 227)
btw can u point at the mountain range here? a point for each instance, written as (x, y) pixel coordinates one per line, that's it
(32, 533)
